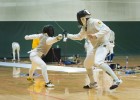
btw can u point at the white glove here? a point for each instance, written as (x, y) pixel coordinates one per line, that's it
(64, 39)
(59, 37)
(26, 37)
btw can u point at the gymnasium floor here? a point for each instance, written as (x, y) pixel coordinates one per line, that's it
(68, 86)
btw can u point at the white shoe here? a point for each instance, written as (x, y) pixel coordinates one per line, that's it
(94, 85)
(116, 84)
(49, 84)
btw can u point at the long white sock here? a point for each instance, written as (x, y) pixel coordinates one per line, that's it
(90, 74)
(31, 71)
(106, 68)
(14, 55)
(45, 74)
(87, 81)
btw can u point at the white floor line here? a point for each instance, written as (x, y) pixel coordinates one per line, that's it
(49, 67)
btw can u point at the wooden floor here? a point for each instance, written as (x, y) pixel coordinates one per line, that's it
(67, 87)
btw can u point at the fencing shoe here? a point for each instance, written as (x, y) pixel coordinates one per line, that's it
(87, 87)
(30, 79)
(91, 85)
(94, 85)
(49, 84)
(116, 84)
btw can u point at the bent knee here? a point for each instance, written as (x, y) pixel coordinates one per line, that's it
(88, 65)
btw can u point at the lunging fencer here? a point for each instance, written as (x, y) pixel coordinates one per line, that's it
(16, 50)
(98, 34)
(47, 39)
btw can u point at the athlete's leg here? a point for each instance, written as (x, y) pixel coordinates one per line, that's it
(88, 63)
(18, 53)
(14, 50)
(100, 55)
(32, 69)
(40, 63)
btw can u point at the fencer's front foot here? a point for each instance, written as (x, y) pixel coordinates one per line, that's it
(87, 87)
(49, 84)
(91, 85)
(30, 79)
(116, 84)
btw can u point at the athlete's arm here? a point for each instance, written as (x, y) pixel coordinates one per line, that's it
(52, 40)
(78, 36)
(33, 36)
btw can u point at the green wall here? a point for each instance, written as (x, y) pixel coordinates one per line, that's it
(127, 36)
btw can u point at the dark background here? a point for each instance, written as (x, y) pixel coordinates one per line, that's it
(127, 35)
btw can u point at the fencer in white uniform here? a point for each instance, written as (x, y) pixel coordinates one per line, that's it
(98, 34)
(16, 49)
(47, 39)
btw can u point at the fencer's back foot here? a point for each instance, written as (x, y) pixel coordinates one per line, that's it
(49, 84)
(30, 79)
(116, 84)
(87, 87)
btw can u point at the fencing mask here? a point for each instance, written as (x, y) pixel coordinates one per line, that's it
(81, 14)
(49, 30)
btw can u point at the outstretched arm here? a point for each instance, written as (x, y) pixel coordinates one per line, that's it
(52, 40)
(75, 36)
(33, 36)
(81, 35)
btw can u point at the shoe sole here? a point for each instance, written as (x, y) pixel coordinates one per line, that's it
(87, 87)
(49, 86)
(115, 86)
